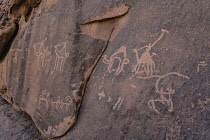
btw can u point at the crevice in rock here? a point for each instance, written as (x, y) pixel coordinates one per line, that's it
(10, 23)
(87, 77)
(91, 69)
(9, 44)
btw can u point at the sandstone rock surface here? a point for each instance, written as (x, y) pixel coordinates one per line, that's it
(16, 125)
(109, 69)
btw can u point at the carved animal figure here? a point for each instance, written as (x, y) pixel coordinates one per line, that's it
(145, 63)
(164, 96)
(39, 52)
(68, 102)
(61, 55)
(44, 97)
(120, 56)
(44, 56)
(60, 104)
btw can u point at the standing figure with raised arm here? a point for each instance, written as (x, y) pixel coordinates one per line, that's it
(145, 64)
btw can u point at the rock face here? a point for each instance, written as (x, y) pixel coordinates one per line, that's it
(135, 69)
(16, 125)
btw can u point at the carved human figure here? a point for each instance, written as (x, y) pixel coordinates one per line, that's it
(119, 57)
(44, 97)
(40, 52)
(44, 55)
(145, 63)
(61, 55)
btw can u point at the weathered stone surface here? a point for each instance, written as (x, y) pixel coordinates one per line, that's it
(11, 11)
(153, 79)
(151, 65)
(52, 62)
(16, 125)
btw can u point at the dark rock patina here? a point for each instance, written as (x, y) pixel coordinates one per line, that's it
(16, 125)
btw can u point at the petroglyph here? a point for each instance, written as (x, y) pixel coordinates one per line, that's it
(201, 63)
(44, 97)
(61, 55)
(118, 103)
(59, 104)
(101, 95)
(44, 55)
(164, 96)
(15, 55)
(119, 57)
(110, 99)
(145, 63)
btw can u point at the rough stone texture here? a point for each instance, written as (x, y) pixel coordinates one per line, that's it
(11, 11)
(143, 66)
(51, 68)
(16, 125)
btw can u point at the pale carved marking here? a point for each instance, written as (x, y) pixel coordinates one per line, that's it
(59, 104)
(61, 55)
(109, 99)
(201, 64)
(118, 104)
(101, 95)
(44, 55)
(145, 63)
(44, 97)
(15, 55)
(62, 104)
(120, 57)
(164, 96)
